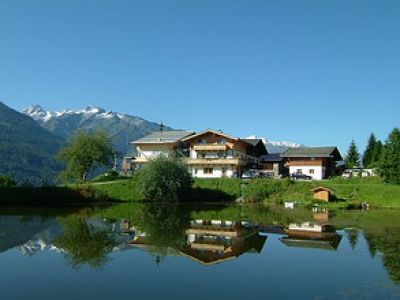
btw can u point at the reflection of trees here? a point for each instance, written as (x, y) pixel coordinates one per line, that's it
(84, 243)
(352, 236)
(386, 241)
(165, 224)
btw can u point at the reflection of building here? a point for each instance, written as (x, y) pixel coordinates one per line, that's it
(214, 241)
(311, 235)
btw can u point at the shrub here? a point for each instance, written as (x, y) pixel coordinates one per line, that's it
(164, 179)
(7, 181)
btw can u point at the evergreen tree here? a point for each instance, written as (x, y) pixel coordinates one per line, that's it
(390, 167)
(377, 154)
(353, 157)
(369, 152)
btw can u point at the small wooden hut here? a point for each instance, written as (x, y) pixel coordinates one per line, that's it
(322, 193)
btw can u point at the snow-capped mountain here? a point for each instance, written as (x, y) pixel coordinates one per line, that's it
(39, 114)
(274, 146)
(123, 128)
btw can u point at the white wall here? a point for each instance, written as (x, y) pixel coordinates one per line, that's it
(217, 172)
(319, 171)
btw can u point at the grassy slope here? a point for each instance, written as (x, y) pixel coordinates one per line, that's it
(373, 191)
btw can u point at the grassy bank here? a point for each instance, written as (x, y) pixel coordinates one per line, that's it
(349, 192)
(54, 196)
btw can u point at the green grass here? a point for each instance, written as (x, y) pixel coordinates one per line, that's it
(349, 192)
(124, 190)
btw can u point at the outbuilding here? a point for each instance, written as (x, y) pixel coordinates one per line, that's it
(322, 193)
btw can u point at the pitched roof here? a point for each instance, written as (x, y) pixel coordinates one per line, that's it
(331, 152)
(165, 137)
(257, 144)
(213, 132)
(253, 142)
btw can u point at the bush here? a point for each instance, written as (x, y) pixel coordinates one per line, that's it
(164, 179)
(7, 181)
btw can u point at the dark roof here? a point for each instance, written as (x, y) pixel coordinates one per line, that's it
(172, 136)
(331, 152)
(331, 244)
(275, 157)
(253, 142)
(258, 144)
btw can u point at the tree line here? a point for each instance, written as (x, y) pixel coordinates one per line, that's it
(384, 157)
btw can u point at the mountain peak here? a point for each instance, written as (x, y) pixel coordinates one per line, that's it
(274, 146)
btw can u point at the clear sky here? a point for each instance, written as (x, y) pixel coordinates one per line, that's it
(313, 72)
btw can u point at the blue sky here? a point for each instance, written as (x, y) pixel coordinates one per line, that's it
(314, 72)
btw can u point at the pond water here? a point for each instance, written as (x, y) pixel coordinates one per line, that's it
(199, 252)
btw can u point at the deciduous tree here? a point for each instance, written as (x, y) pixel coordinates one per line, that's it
(84, 152)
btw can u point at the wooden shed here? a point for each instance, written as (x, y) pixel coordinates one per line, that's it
(322, 193)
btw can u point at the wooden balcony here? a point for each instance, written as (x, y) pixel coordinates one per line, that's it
(215, 161)
(210, 147)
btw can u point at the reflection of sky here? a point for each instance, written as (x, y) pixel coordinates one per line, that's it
(279, 272)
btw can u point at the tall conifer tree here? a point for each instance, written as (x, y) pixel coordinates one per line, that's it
(353, 157)
(369, 152)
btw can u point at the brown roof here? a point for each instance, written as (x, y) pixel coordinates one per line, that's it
(321, 188)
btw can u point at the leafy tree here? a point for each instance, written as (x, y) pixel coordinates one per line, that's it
(390, 167)
(164, 179)
(84, 152)
(353, 157)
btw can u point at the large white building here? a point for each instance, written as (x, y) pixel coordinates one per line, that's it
(208, 154)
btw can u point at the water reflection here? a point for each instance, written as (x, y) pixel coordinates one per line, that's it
(85, 241)
(207, 236)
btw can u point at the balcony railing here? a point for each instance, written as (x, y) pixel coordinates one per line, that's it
(215, 161)
(210, 147)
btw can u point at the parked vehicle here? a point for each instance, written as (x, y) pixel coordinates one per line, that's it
(300, 176)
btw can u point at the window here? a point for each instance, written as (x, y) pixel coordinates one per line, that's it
(202, 141)
(221, 141)
(208, 170)
(299, 171)
(195, 171)
(311, 171)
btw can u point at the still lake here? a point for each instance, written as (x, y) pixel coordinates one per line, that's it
(199, 252)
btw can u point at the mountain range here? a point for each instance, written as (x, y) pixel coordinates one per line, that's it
(30, 140)
(122, 127)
